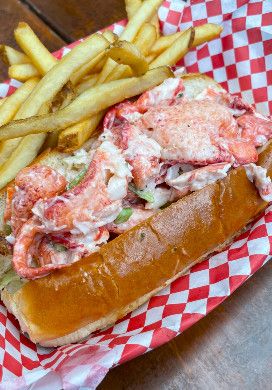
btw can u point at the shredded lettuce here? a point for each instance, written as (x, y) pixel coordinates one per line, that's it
(124, 215)
(59, 247)
(77, 179)
(8, 277)
(146, 195)
(7, 229)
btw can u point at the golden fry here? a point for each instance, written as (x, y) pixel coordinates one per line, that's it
(87, 68)
(41, 98)
(155, 22)
(2, 101)
(22, 72)
(10, 110)
(110, 36)
(23, 151)
(176, 51)
(206, 33)
(60, 74)
(86, 83)
(150, 58)
(75, 136)
(51, 140)
(109, 66)
(41, 58)
(144, 14)
(87, 104)
(164, 42)
(132, 7)
(62, 98)
(11, 56)
(145, 38)
(120, 72)
(128, 54)
(96, 64)
(23, 155)
(12, 103)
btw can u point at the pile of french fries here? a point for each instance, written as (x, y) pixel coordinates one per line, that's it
(61, 102)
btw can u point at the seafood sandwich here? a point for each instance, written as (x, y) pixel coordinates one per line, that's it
(172, 177)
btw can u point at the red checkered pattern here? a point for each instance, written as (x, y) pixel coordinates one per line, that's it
(241, 60)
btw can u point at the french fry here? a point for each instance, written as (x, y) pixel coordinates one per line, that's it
(110, 36)
(60, 74)
(41, 98)
(51, 140)
(164, 42)
(27, 149)
(132, 7)
(86, 105)
(203, 33)
(86, 83)
(86, 68)
(155, 22)
(12, 103)
(25, 152)
(128, 54)
(109, 66)
(150, 58)
(99, 66)
(2, 101)
(176, 51)
(11, 56)
(64, 98)
(120, 72)
(206, 32)
(75, 136)
(22, 72)
(96, 64)
(145, 38)
(144, 14)
(10, 110)
(40, 57)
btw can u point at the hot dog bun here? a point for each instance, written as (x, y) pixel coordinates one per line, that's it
(69, 304)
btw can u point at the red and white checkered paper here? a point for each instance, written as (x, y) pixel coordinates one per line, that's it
(241, 60)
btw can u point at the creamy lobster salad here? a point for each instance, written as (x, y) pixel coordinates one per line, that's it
(150, 153)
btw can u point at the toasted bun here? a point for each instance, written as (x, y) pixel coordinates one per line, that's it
(70, 303)
(195, 83)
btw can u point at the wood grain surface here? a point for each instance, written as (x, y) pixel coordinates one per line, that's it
(74, 19)
(231, 348)
(11, 13)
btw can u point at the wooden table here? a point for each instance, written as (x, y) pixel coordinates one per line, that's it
(232, 346)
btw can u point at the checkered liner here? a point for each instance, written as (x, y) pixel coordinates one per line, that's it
(241, 60)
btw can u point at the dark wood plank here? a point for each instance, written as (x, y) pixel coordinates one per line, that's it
(12, 12)
(74, 19)
(230, 348)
